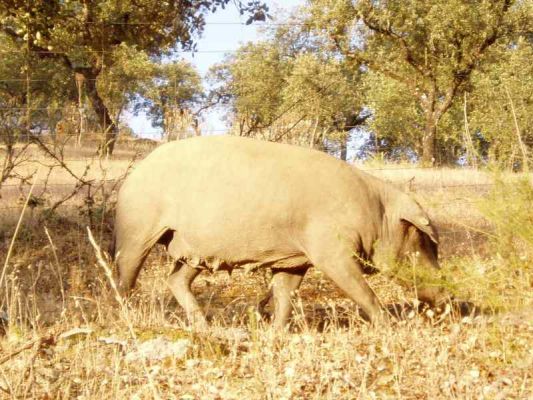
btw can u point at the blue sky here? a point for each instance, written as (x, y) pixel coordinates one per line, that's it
(224, 32)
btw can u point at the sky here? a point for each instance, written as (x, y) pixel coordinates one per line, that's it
(224, 32)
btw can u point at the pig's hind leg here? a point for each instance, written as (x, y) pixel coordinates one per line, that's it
(180, 282)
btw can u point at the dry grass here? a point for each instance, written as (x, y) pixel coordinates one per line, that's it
(97, 168)
(54, 285)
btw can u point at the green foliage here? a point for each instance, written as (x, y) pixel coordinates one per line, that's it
(409, 63)
(504, 86)
(322, 89)
(509, 208)
(280, 91)
(131, 73)
(82, 30)
(31, 81)
(503, 280)
(253, 79)
(172, 89)
(398, 120)
(495, 284)
(429, 50)
(89, 38)
(176, 83)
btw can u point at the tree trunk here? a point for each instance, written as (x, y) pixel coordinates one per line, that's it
(429, 143)
(344, 147)
(80, 84)
(313, 140)
(471, 157)
(352, 121)
(107, 125)
(521, 146)
(169, 123)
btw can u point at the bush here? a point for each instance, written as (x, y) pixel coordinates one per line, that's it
(502, 281)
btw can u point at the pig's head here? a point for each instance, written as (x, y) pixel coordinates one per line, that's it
(410, 240)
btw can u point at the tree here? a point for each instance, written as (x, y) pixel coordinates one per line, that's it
(131, 75)
(250, 81)
(85, 35)
(323, 91)
(500, 106)
(397, 121)
(287, 88)
(429, 49)
(174, 91)
(33, 92)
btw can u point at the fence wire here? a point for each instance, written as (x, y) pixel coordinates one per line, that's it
(21, 189)
(52, 137)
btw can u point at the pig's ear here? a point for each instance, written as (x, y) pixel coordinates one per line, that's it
(423, 224)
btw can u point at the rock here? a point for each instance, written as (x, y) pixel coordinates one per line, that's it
(158, 349)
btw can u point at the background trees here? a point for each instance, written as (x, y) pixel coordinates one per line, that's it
(440, 82)
(423, 53)
(431, 49)
(171, 96)
(404, 69)
(288, 88)
(88, 37)
(500, 106)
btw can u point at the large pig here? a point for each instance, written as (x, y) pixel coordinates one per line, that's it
(227, 202)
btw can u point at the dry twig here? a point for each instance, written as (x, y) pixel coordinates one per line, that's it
(37, 344)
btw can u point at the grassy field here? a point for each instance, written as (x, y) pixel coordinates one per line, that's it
(64, 334)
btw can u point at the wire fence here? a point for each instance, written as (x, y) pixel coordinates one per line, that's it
(474, 192)
(84, 186)
(414, 188)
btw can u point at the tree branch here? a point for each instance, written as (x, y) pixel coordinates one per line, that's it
(41, 51)
(408, 54)
(462, 75)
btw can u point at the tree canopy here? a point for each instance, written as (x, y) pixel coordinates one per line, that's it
(286, 89)
(437, 82)
(88, 37)
(404, 69)
(429, 49)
